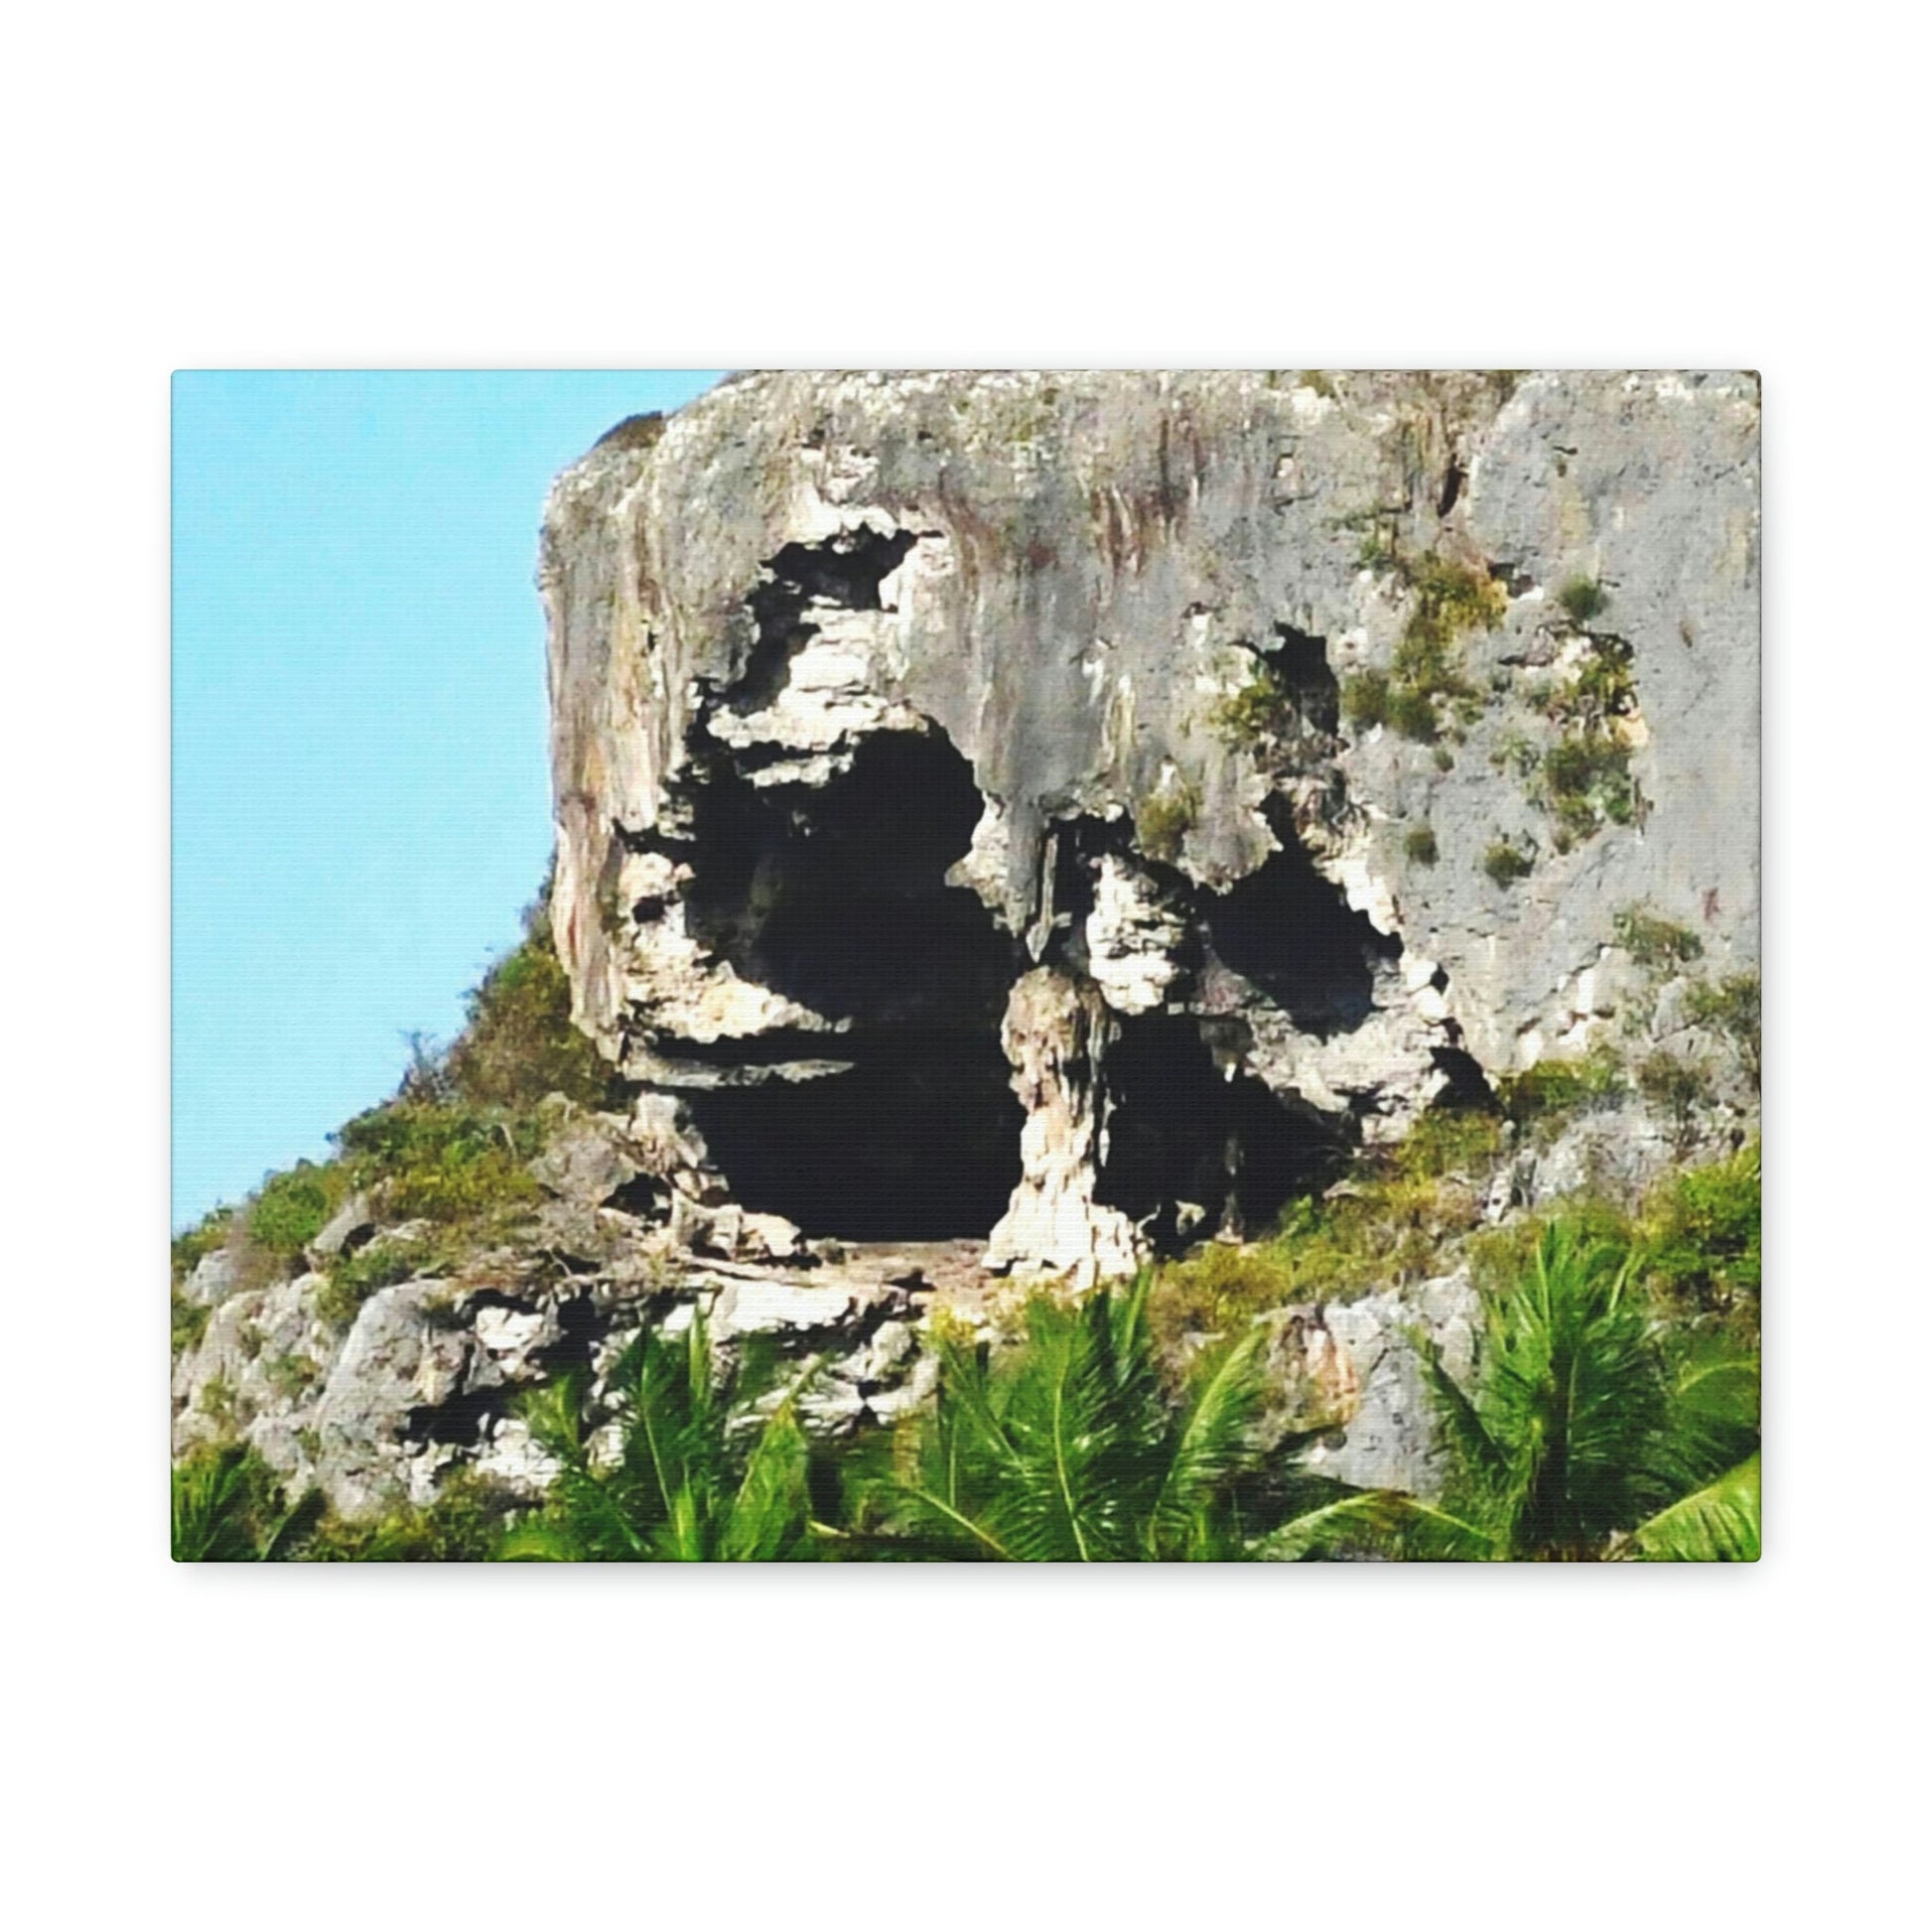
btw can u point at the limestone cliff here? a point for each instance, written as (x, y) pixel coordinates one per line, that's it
(1225, 763)
(1012, 825)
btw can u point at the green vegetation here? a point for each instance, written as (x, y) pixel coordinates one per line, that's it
(1164, 821)
(464, 1524)
(692, 1479)
(1419, 848)
(517, 1043)
(292, 1207)
(1450, 599)
(1585, 783)
(1320, 381)
(226, 1506)
(1657, 945)
(442, 1160)
(1067, 1449)
(187, 1251)
(1263, 708)
(1584, 780)
(1385, 1221)
(1582, 599)
(1733, 1008)
(1584, 1435)
(1504, 862)
(1701, 1233)
(187, 1322)
(1554, 1092)
(379, 1264)
(1366, 699)
(1614, 1413)
(1676, 1088)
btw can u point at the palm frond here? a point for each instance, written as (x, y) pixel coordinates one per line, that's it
(1720, 1523)
(1382, 1522)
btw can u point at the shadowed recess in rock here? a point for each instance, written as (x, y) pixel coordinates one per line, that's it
(1181, 1131)
(836, 898)
(845, 572)
(1292, 933)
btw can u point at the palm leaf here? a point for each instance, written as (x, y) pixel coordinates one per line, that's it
(1383, 1522)
(1720, 1523)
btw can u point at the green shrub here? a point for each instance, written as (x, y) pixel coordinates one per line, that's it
(1320, 381)
(1676, 1088)
(187, 1322)
(1262, 709)
(1164, 821)
(291, 1208)
(1586, 783)
(189, 1250)
(518, 1043)
(1735, 1008)
(464, 1524)
(228, 1506)
(1411, 712)
(1451, 598)
(1552, 1091)
(1582, 598)
(1702, 1231)
(1366, 699)
(353, 1279)
(1655, 944)
(1420, 846)
(443, 1161)
(1385, 1221)
(292, 1376)
(1505, 863)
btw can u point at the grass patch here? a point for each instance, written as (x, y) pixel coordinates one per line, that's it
(1657, 945)
(1386, 1221)
(353, 1279)
(187, 1251)
(1366, 699)
(1585, 784)
(1164, 821)
(1504, 862)
(464, 1524)
(1554, 1092)
(1450, 599)
(1262, 709)
(1702, 1231)
(187, 1322)
(1420, 847)
(1582, 598)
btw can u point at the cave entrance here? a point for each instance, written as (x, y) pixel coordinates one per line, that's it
(1180, 1130)
(836, 898)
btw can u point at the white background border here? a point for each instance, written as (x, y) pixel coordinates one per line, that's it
(1032, 187)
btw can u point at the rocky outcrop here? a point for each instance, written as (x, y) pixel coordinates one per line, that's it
(1308, 731)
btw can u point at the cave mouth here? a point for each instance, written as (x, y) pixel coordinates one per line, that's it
(835, 897)
(1291, 931)
(1180, 1130)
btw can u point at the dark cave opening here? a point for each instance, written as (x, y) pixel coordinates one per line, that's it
(1290, 932)
(1182, 1130)
(836, 898)
(1300, 662)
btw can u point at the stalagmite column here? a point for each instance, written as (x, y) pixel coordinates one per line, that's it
(1055, 1034)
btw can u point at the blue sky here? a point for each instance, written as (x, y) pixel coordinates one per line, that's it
(362, 798)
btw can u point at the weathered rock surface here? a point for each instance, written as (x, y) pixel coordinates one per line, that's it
(966, 852)
(875, 694)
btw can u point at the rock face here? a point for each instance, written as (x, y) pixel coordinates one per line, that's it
(1071, 804)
